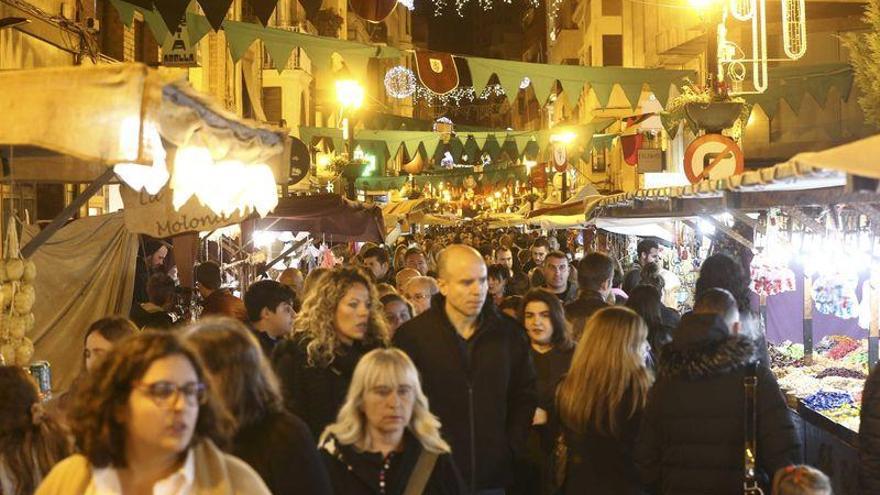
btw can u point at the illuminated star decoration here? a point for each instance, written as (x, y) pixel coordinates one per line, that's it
(400, 82)
(409, 4)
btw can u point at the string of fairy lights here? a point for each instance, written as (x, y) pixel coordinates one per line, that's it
(401, 82)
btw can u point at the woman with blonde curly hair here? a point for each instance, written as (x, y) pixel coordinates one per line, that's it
(341, 320)
(385, 439)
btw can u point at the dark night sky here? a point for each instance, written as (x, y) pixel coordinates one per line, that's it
(451, 33)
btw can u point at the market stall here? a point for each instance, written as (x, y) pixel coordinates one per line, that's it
(330, 214)
(809, 236)
(171, 147)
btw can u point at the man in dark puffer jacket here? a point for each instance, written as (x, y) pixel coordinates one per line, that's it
(869, 436)
(692, 436)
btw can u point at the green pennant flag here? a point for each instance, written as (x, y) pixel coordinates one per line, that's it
(770, 106)
(480, 138)
(633, 93)
(603, 93)
(670, 125)
(431, 145)
(126, 11)
(280, 52)
(818, 88)
(542, 87)
(661, 92)
(522, 141)
(240, 36)
(156, 24)
(572, 89)
(794, 97)
(338, 144)
(321, 57)
(510, 81)
(357, 62)
(197, 27)
(480, 73)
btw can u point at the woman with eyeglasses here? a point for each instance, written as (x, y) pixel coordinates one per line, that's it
(145, 422)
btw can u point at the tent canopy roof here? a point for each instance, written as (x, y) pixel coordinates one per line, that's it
(55, 110)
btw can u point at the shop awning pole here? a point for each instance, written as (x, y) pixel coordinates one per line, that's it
(67, 213)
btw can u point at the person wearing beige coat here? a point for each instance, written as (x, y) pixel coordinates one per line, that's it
(214, 473)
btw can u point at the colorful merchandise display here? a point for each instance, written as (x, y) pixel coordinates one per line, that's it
(832, 385)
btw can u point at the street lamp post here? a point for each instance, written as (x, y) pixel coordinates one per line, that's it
(350, 95)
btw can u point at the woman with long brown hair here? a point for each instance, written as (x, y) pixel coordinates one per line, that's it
(600, 402)
(277, 444)
(30, 441)
(341, 320)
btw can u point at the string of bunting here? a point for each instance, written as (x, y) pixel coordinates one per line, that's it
(280, 43)
(430, 140)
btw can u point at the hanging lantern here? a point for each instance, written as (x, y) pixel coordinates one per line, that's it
(445, 127)
(400, 82)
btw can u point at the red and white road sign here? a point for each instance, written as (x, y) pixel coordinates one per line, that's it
(713, 157)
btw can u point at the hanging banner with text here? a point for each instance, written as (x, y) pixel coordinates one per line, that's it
(154, 215)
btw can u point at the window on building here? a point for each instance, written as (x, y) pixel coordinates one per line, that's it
(612, 7)
(146, 49)
(612, 50)
(112, 31)
(272, 103)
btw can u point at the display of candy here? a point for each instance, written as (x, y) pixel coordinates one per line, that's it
(851, 386)
(841, 372)
(847, 415)
(770, 278)
(800, 384)
(824, 400)
(836, 295)
(843, 348)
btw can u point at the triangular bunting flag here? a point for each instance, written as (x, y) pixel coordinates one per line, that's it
(480, 73)
(357, 64)
(240, 36)
(542, 87)
(263, 9)
(794, 97)
(770, 106)
(480, 138)
(126, 11)
(321, 57)
(661, 92)
(196, 28)
(215, 11)
(172, 12)
(338, 144)
(510, 81)
(431, 146)
(279, 51)
(572, 89)
(633, 93)
(522, 141)
(818, 89)
(602, 92)
(156, 24)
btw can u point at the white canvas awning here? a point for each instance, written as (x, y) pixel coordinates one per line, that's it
(65, 119)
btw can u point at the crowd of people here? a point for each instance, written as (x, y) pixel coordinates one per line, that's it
(460, 363)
